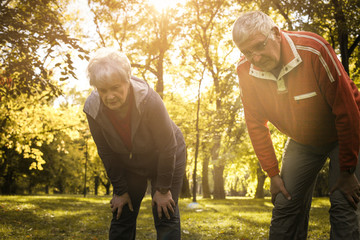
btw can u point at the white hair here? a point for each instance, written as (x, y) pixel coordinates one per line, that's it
(105, 63)
(250, 23)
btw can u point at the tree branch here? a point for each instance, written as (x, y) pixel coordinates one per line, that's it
(354, 45)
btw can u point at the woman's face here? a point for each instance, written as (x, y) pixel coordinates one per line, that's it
(113, 92)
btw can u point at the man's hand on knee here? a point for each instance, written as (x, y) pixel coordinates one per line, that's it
(349, 186)
(276, 187)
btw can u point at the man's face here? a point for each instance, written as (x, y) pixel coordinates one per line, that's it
(263, 51)
(113, 92)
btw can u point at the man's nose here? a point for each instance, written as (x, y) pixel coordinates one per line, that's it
(256, 58)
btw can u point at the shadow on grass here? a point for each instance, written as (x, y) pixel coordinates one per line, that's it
(227, 219)
(53, 217)
(243, 218)
(74, 217)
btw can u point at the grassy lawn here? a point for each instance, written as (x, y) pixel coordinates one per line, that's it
(73, 217)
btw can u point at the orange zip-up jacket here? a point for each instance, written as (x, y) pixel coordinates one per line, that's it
(313, 101)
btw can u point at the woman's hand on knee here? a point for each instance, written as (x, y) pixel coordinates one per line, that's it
(164, 203)
(118, 202)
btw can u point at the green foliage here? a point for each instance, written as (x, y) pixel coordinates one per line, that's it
(174, 50)
(76, 218)
(206, 53)
(241, 172)
(43, 147)
(337, 21)
(185, 46)
(36, 52)
(31, 35)
(121, 22)
(23, 121)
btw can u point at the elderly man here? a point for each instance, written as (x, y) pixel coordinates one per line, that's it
(295, 81)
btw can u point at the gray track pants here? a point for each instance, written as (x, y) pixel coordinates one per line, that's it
(300, 167)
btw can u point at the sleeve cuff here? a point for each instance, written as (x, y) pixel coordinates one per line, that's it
(120, 192)
(273, 171)
(163, 182)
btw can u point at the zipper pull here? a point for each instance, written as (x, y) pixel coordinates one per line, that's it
(130, 155)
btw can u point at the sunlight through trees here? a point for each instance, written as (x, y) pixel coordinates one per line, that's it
(174, 46)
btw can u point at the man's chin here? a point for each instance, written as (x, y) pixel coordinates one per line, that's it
(262, 68)
(265, 67)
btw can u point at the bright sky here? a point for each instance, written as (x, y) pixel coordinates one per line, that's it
(81, 9)
(163, 4)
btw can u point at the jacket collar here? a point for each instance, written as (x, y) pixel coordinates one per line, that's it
(93, 104)
(94, 107)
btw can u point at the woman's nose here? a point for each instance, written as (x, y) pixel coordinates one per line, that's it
(110, 96)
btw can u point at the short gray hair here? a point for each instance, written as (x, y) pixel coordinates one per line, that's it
(250, 23)
(105, 63)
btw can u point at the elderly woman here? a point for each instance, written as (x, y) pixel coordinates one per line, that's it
(137, 141)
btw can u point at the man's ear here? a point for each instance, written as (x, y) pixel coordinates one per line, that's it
(277, 34)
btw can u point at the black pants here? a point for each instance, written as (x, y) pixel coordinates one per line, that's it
(125, 227)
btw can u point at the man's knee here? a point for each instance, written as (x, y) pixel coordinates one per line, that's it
(343, 218)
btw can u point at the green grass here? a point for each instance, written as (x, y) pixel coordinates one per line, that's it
(73, 217)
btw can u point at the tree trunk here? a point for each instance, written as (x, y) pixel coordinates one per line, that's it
(261, 176)
(219, 192)
(31, 186)
(107, 187)
(7, 172)
(205, 178)
(106, 184)
(159, 88)
(8, 186)
(342, 33)
(97, 183)
(284, 14)
(185, 189)
(163, 47)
